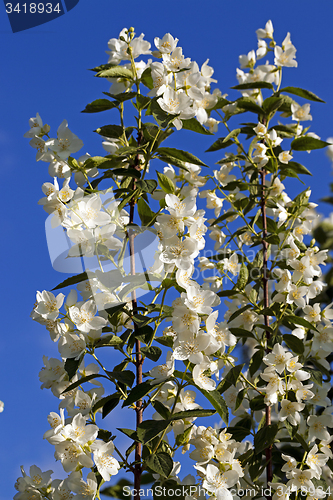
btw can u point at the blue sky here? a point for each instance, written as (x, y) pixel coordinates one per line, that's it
(44, 70)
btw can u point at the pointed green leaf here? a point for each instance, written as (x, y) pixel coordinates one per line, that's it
(152, 352)
(242, 277)
(195, 126)
(138, 392)
(184, 415)
(124, 96)
(100, 403)
(257, 403)
(265, 437)
(146, 79)
(149, 429)
(72, 281)
(161, 463)
(72, 365)
(146, 215)
(231, 378)
(99, 105)
(111, 131)
(302, 93)
(109, 340)
(253, 85)
(239, 312)
(166, 184)
(180, 155)
(216, 399)
(239, 398)
(294, 343)
(223, 217)
(219, 144)
(82, 380)
(307, 143)
(249, 104)
(116, 72)
(125, 377)
(297, 320)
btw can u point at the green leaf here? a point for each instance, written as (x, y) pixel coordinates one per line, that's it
(145, 213)
(219, 144)
(239, 312)
(116, 72)
(138, 392)
(243, 277)
(272, 104)
(256, 361)
(72, 281)
(82, 380)
(109, 340)
(183, 156)
(71, 366)
(161, 409)
(102, 401)
(301, 441)
(142, 101)
(297, 320)
(183, 438)
(147, 185)
(102, 67)
(149, 429)
(99, 105)
(292, 429)
(257, 403)
(195, 126)
(240, 397)
(126, 172)
(145, 334)
(122, 97)
(240, 332)
(146, 79)
(223, 217)
(221, 102)
(249, 104)
(129, 432)
(296, 167)
(216, 400)
(118, 307)
(163, 119)
(161, 463)
(112, 131)
(265, 437)
(231, 378)
(147, 478)
(241, 429)
(184, 415)
(152, 352)
(302, 93)
(166, 340)
(166, 184)
(214, 397)
(294, 343)
(253, 85)
(125, 377)
(307, 143)
(232, 134)
(110, 405)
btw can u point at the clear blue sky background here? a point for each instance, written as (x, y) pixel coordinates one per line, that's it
(45, 70)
